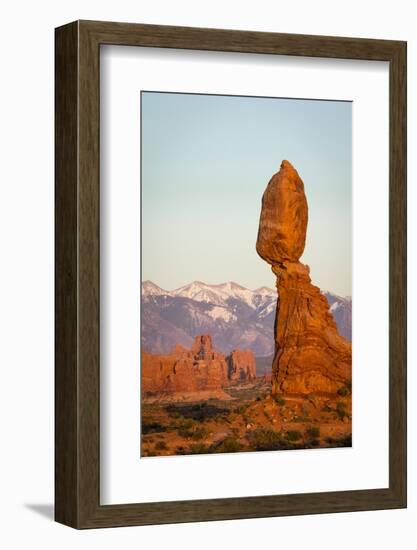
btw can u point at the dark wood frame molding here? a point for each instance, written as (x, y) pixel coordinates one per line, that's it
(77, 360)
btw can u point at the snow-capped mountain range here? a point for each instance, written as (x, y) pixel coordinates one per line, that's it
(236, 317)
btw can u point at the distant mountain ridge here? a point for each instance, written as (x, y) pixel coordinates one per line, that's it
(341, 309)
(233, 315)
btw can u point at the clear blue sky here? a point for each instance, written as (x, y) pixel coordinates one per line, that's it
(206, 161)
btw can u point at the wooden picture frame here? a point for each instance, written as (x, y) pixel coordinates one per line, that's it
(77, 372)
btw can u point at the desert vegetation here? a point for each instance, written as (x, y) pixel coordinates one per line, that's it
(253, 420)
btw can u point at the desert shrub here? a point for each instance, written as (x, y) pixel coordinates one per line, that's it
(227, 445)
(293, 435)
(300, 418)
(233, 419)
(279, 400)
(345, 441)
(152, 427)
(187, 423)
(183, 432)
(326, 409)
(259, 398)
(341, 409)
(343, 391)
(198, 449)
(186, 428)
(242, 408)
(313, 431)
(161, 446)
(264, 439)
(200, 433)
(197, 411)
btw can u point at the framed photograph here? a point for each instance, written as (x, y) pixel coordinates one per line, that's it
(230, 274)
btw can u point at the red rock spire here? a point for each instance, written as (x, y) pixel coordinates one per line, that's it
(310, 355)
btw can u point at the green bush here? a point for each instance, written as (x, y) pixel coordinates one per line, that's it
(264, 439)
(152, 427)
(186, 428)
(279, 400)
(343, 391)
(198, 449)
(313, 431)
(242, 408)
(293, 435)
(183, 432)
(200, 433)
(187, 424)
(341, 410)
(228, 445)
(345, 441)
(197, 411)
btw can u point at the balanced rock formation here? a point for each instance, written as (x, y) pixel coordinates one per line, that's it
(241, 366)
(199, 372)
(284, 217)
(310, 355)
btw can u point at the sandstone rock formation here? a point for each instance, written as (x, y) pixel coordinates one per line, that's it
(284, 216)
(241, 366)
(310, 355)
(199, 372)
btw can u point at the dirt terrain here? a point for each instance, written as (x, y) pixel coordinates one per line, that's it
(251, 419)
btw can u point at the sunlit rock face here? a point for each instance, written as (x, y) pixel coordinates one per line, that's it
(197, 373)
(242, 366)
(310, 355)
(284, 217)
